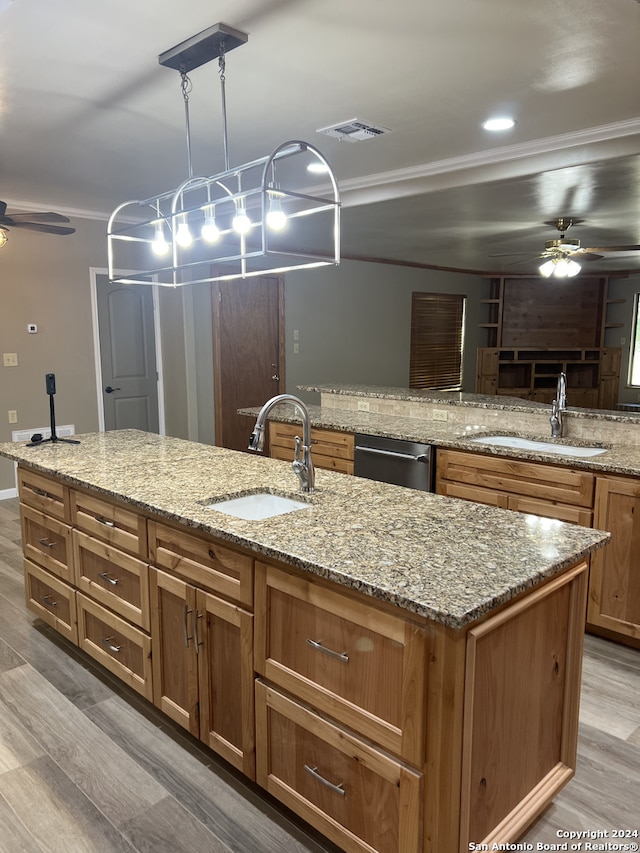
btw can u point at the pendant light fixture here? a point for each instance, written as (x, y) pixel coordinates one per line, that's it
(258, 218)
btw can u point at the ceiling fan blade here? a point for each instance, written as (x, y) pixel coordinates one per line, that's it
(42, 217)
(587, 256)
(613, 249)
(508, 254)
(3, 208)
(45, 229)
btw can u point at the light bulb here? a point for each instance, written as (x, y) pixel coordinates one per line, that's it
(547, 268)
(241, 223)
(573, 268)
(562, 268)
(4, 237)
(159, 245)
(210, 232)
(276, 217)
(183, 235)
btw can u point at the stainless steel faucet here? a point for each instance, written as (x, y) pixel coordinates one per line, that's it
(558, 407)
(303, 467)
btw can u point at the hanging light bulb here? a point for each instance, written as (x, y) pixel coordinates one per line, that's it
(4, 237)
(241, 223)
(159, 246)
(546, 269)
(210, 232)
(183, 235)
(573, 268)
(276, 217)
(562, 268)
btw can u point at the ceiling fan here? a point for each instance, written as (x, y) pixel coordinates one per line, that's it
(560, 256)
(44, 222)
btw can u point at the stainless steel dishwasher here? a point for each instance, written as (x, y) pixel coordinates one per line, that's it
(391, 460)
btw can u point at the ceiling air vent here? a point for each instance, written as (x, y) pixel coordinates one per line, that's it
(354, 130)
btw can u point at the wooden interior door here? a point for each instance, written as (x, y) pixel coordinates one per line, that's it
(248, 341)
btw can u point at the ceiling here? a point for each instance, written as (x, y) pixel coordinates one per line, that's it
(88, 118)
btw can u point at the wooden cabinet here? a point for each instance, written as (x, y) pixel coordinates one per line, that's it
(537, 329)
(532, 487)
(110, 522)
(203, 665)
(45, 515)
(330, 449)
(614, 588)
(357, 674)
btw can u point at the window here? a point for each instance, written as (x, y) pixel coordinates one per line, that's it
(437, 325)
(634, 354)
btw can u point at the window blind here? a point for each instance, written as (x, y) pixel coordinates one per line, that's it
(437, 324)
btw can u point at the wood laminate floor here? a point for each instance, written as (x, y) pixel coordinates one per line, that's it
(86, 765)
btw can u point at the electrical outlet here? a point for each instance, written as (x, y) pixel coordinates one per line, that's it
(10, 359)
(363, 405)
(439, 415)
(13, 416)
(296, 348)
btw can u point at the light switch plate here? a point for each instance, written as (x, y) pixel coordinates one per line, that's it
(10, 359)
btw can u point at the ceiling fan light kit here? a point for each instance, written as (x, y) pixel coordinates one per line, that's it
(244, 221)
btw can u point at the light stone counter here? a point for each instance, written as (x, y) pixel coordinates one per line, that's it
(447, 560)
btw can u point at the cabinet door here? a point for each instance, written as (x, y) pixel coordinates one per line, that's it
(175, 666)
(331, 449)
(52, 600)
(224, 634)
(614, 586)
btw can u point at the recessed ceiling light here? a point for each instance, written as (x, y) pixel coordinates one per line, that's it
(498, 123)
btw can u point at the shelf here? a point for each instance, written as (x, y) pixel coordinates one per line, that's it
(488, 325)
(614, 325)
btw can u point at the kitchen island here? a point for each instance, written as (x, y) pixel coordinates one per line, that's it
(400, 669)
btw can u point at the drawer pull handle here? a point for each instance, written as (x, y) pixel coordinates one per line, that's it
(105, 576)
(49, 601)
(108, 642)
(212, 554)
(341, 656)
(46, 543)
(313, 771)
(102, 520)
(42, 493)
(196, 641)
(185, 628)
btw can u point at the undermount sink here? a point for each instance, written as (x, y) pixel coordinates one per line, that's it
(542, 446)
(258, 506)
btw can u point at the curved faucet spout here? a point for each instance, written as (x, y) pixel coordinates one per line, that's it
(303, 467)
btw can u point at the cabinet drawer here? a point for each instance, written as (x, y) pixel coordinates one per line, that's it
(352, 660)
(47, 542)
(43, 493)
(549, 509)
(118, 646)
(202, 561)
(52, 600)
(331, 449)
(115, 579)
(529, 479)
(359, 797)
(110, 522)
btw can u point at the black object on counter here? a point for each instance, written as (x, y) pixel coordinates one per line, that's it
(37, 439)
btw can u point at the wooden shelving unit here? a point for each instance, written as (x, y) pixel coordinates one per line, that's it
(538, 329)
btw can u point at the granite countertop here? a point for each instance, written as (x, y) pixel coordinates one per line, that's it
(447, 560)
(619, 458)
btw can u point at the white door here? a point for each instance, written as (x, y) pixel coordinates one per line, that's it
(127, 350)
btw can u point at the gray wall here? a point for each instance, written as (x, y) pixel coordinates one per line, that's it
(354, 322)
(623, 288)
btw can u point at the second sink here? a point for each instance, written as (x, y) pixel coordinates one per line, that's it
(542, 446)
(257, 506)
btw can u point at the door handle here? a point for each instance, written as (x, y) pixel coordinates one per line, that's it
(110, 390)
(275, 375)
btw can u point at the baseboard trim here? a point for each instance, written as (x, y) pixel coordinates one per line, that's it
(5, 494)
